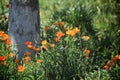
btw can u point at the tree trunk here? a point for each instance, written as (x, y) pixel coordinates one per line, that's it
(24, 24)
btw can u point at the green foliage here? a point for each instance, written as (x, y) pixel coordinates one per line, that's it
(3, 15)
(99, 19)
(67, 60)
(80, 55)
(9, 64)
(93, 17)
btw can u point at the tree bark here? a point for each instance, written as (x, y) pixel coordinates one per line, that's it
(24, 24)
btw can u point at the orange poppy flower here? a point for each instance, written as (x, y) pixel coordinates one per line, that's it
(66, 29)
(52, 45)
(8, 41)
(47, 28)
(70, 32)
(37, 49)
(27, 59)
(11, 55)
(38, 61)
(57, 39)
(33, 47)
(55, 23)
(87, 52)
(5, 37)
(114, 61)
(76, 30)
(30, 46)
(27, 53)
(44, 47)
(107, 65)
(60, 34)
(44, 42)
(16, 60)
(28, 43)
(62, 23)
(1, 33)
(118, 56)
(2, 58)
(20, 68)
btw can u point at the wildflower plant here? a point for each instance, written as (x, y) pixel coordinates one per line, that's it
(13, 68)
(69, 58)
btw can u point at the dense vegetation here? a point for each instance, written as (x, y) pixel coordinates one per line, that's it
(80, 41)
